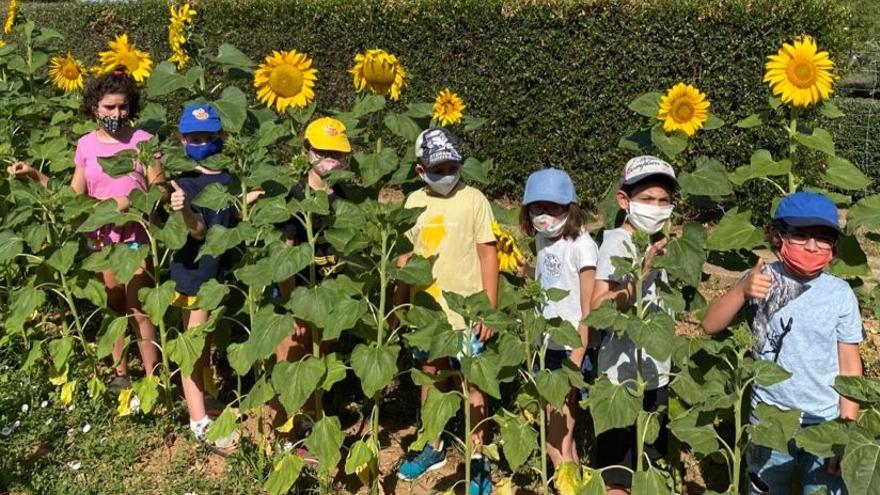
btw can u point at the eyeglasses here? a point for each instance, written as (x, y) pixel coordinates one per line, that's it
(823, 242)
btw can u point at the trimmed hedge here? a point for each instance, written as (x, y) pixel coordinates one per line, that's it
(553, 78)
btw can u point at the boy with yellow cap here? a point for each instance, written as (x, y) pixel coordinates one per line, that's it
(327, 147)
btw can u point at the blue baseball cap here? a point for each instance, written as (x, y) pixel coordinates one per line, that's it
(552, 185)
(807, 209)
(201, 117)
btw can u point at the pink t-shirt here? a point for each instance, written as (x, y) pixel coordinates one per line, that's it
(101, 185)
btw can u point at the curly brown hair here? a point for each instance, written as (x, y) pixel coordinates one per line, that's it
(575, 222)
(118, 81)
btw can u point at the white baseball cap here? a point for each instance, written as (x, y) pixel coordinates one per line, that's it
(642, 167)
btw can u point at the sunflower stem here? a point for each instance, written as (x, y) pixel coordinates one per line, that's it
(792, 149)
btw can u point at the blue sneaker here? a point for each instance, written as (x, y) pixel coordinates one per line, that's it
(416, 464)
(481, 477)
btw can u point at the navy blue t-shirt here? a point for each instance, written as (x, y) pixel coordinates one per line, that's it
(188, 273)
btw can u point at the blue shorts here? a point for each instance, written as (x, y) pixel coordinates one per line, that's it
(771, 471)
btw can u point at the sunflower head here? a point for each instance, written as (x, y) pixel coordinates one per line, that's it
(800, 74)
(509, 255)
(683, 108)
(122, 52)
(66, 72)
(448, 108)
(11, 14)
(380, 72)
(285, 79)
(181, 17)
(183, 14)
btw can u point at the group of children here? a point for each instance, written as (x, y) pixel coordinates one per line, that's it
(805, 319)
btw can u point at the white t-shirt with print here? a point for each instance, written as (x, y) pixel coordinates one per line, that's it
(617, 354)
(559, 264)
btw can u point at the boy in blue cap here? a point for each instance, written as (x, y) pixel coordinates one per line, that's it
(200, 134)
(808, 322)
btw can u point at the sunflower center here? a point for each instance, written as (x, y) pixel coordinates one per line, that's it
(378, 72)
(683, 111)
(70, 71)
(130, 60)
(286, 80)
(802, 73)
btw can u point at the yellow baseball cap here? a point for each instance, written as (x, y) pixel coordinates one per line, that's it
(328, 134)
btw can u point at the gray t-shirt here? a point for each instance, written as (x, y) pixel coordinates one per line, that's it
(559, 264)
(617, 354)
(798, 326)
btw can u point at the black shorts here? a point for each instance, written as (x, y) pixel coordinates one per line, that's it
(617, 447)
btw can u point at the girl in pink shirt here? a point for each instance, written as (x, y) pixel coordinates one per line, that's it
(113, 100)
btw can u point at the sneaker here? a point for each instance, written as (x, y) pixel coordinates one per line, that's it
(118, 384)
(481, 477)
(416, 464)
(222, 446)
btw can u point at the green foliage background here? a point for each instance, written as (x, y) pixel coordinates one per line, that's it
(553, 78)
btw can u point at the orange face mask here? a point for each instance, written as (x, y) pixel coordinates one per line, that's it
(803, 263)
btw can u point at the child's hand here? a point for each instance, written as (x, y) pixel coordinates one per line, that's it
(21, 169)
(484, 333)
(656, 249)
(756, 284)
(178, 197)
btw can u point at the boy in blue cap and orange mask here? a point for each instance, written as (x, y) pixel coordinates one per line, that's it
(808, 322)
(200, 134)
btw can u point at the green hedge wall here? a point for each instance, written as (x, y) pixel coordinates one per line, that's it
(553, 78)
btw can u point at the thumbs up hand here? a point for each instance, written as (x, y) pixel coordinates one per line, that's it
(178, 197)
(756, 284)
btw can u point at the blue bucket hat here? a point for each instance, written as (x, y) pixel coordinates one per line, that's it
(807, 209)
(552, 185)
(199, 118)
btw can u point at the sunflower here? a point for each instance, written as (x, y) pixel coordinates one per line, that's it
(683, 108)
(66, 73)
(11, 13)
(183, 14)
(448, 108)
(800, 74)
(286, 79)
(122, 52)
(509, 255)
(380, 72)
(181, 17)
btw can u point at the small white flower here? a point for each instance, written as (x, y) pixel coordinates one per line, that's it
(25, 408)
(71, 432)
(44, 403)
(16, 424)
(87, 428)
(6, 431)
(48, 421)
(75, 465)
(71, 407)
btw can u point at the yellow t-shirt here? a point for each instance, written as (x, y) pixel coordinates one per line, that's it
(450, 228)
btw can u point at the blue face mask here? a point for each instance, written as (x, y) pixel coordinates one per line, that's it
(200, 152)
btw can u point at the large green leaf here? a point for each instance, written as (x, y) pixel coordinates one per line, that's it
(284, 473)
(213, 197)
(651, 482)
(186, 349)
(359, 454)
(709, 179)
(849, 260)
(375, 366)
(761, 165)
(147, 390)
(865, 213)
(685, 255)
(62, 258)
(325, 442)
(697, 433)
(476, 171)
(735, 232)
(125, 261)
(211, 294)
(114, 331)
(417, 271)
(374, 166)
(24, 302)
(403, 126)
(221, 239)
(670, 144)
(519, 440)
(861, 389)
(261, 393)
(553, 387)
(61, 349)
(223, 426)
(753, 120)
(164, 80)
(843, 174)
(819, 140)
(655, 335)
(232, 107)
(824, 440)
(613, 406)
(861, 466)
(231, 57)
(647, 104)
(267, 330)
(768, 373)
(483, 372)
(437, 410)
(295, 382)
(157, 300)
(775, 427)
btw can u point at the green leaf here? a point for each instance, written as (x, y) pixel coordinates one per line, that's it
(232, 107)
(861, 389)
(651, 482)
(373, 167)
(104, 213)
(685, 255)
(267, 330)
(261, 393)
(700, 435)
(613, 406)
(819, 140)
(119, 164)
(164, 80)
(419, 110)
(367, 104)
(173, 233)
(850, 260)
(86, 286)
(865, 213)
(843, 174)
(284, 474)
(735, 232)
(482, 372)
(647, 105)
(761, 165)
(359, 454)
(518, 439)
(655, 335)
(61, 349)
(24, 302)
(336, 371)
(231, 57)
(437, 410)
(417, 271)
(709, 179)
(211, 294)
(115, 331)
(563, 332)
(753, 120)
(831, 111)
(824, 440)
(861, 466)
(553, 387)
(147, 390)
(636, 141)
(10, 246)
(375, 366)
(325, 442)
(775, 427)
(221, 239)
(125, 261)
(403, 126)
(186, 349)
(223, 426)
(474, 170)
(472, 123)
(213, 197)
(670, 144)
(713, 122)
(768, 373)
(157, 300)
(297, 381)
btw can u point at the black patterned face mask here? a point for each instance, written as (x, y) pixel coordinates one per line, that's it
(110, 123)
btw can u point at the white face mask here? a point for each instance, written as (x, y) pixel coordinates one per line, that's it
(441, 184)
(548, 224)
(648, 218)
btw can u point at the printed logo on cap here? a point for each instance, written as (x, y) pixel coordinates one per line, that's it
(438, 147)
(200, 114)
(331, 131)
